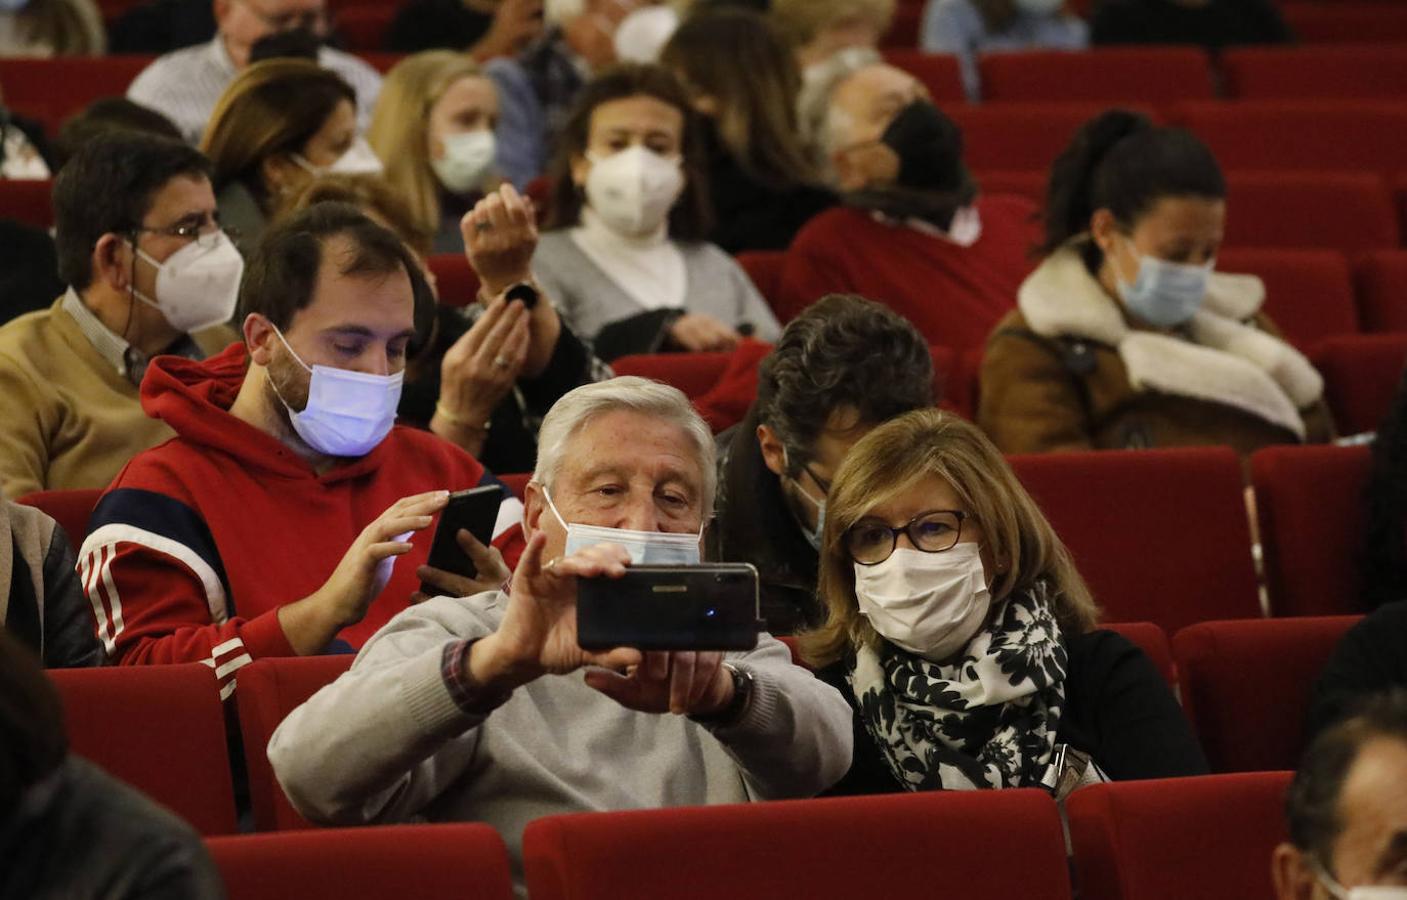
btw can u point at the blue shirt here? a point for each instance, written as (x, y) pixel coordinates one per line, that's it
(955, 26)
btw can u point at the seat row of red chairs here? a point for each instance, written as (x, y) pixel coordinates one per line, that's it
(1146, 840)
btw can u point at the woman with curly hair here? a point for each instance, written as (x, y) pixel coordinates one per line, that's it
(961, 633)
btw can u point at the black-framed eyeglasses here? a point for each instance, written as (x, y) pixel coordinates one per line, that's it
(870, 542)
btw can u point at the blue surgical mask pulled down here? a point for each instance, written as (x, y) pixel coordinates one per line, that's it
(1164, 294)
(655, 548)
(348, 413)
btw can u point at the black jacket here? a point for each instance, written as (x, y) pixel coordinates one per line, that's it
(1118, 709)
(749, 214)
(436, 25)
(1371, 659)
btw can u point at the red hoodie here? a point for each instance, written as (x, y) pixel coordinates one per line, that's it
(200, 540)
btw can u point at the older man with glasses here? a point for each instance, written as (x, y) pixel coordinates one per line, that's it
(185, 84)
(149, 272)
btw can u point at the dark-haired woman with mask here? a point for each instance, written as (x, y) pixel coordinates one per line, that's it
(1127, 336)
(626, 258)
(960, 631)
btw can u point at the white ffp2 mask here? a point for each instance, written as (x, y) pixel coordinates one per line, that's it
(467, 160)
(198, 285)
(930, 604)
(634, 189)
(358, 159)
(655, 548)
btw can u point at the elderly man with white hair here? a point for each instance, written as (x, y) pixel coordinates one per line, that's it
(485, 708)
(913, 232)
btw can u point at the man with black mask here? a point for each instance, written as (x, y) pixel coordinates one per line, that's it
(914, 232)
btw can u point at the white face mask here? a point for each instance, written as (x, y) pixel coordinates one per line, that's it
(655, 548)
(930, 604)
(467, 160)
(348, 413)
(359, 159)
(642, 35)
(634, 189)
(1363, 892)
(198, 285)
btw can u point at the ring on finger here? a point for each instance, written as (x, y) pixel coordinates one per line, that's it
(550, 563)
(502, 362)
(483, 226)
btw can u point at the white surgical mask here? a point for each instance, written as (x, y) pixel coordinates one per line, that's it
(1362, 892)
(348, 413)
(1164, 293)
(358, 159)
(467, 160)
(655, 548)
(930, 604)
(634, 189)
(813, 536)
(198, 285)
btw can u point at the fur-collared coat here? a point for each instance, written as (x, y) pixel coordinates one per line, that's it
(1068, 371)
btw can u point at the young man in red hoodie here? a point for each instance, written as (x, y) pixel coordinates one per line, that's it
(283, 517)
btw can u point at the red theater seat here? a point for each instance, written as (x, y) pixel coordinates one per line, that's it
(1124, 75)
(270, 689)
(1160, 535)
(426, 862)
(517, 482)
(382, 62)
(957, 844)
(54, 89)
(1345, 21)
(1311, 507)
(1338, 135)
(71, 509)
(1361, 373)
(1029, 184)
(904, 30)
(1308, 293)
(161, 729)
(455, 281)
(938, 71)
(363, 26)
(1153, 641)
(1347, 211)
(1246, 683)
(30, 202)
(1022, 137)
(1381, 280)
(764, 267)
(1303, 73)
(1168, 839)
(692, 373)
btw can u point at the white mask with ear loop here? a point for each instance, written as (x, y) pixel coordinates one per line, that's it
(1362, 892)
(348, 413)
(931, 604)
(633, 190)
(197, 286)
(655, 548)
(358, 159)
(467, 160)
(813, 536)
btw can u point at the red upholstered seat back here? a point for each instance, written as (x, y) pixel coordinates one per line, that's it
(692, 373)
(938, 72)
(1153, 641)
(1107, 75)
(1312, 511)
(269, 689)
(1246, 686)
(1290, 73)
(1159, 535)
(1381, 283)
(1345, 21)
(426, 862)
(877, 846)
(1346, 211)
(456, 283)
(30, 202)
(161, 729)
(1308, 293)
(1022, 137)
(764, 268)
(1169, 839)
(51, 90)
(1361, 373)
(71, 509)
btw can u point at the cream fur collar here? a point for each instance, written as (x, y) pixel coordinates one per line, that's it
(1225, 361)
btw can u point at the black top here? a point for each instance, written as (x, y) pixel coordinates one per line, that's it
(161, 26)
(82, 833)
(29, 270)
(749, 214)
(753, 524)
(1219, 23)
(1118, 709)
(436, 25)
(61, 632)
(1371, 658)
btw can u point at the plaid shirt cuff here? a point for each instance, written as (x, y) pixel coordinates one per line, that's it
(470, 697)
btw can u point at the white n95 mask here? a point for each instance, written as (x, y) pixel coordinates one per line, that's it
(348, 413)
(358, 159)
(930, 604)
(467, 160)
(198, 285)
(634, 189)
(655, 548)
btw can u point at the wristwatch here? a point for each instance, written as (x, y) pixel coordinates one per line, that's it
(743, 684)
(525, 292)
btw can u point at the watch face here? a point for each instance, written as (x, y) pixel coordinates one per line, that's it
(524, 293)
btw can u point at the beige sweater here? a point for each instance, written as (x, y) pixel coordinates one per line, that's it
(71, 420)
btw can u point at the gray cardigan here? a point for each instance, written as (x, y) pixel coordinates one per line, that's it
(386, 742)
(589, 299)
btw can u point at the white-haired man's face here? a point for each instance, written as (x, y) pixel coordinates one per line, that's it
(861, 108)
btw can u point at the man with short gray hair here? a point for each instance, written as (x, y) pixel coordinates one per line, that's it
(482, 707)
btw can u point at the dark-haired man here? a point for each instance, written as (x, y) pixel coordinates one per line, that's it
(273, 523)
(149, 271)
(841, 368)
(1347, 810)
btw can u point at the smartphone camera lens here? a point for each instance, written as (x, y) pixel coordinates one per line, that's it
(710, 612)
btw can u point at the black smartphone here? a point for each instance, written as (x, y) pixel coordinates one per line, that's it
(713, 606)
(476, 510)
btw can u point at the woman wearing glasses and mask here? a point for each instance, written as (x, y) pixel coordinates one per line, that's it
(959, 630)
(626, 257)
(1126, 336)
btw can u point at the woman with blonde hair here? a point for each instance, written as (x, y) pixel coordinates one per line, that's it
(48, 28)
(762, 185)
(963, 636)
(280, 123)
(433, 126)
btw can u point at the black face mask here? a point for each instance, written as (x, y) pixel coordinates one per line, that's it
(295, 43)
(929, 147)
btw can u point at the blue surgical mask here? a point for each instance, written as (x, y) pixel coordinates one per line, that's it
(348, 413)
(812, 535)
(655, 548)
(1165, 294)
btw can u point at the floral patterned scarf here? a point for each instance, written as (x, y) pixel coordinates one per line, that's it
(985, 719)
